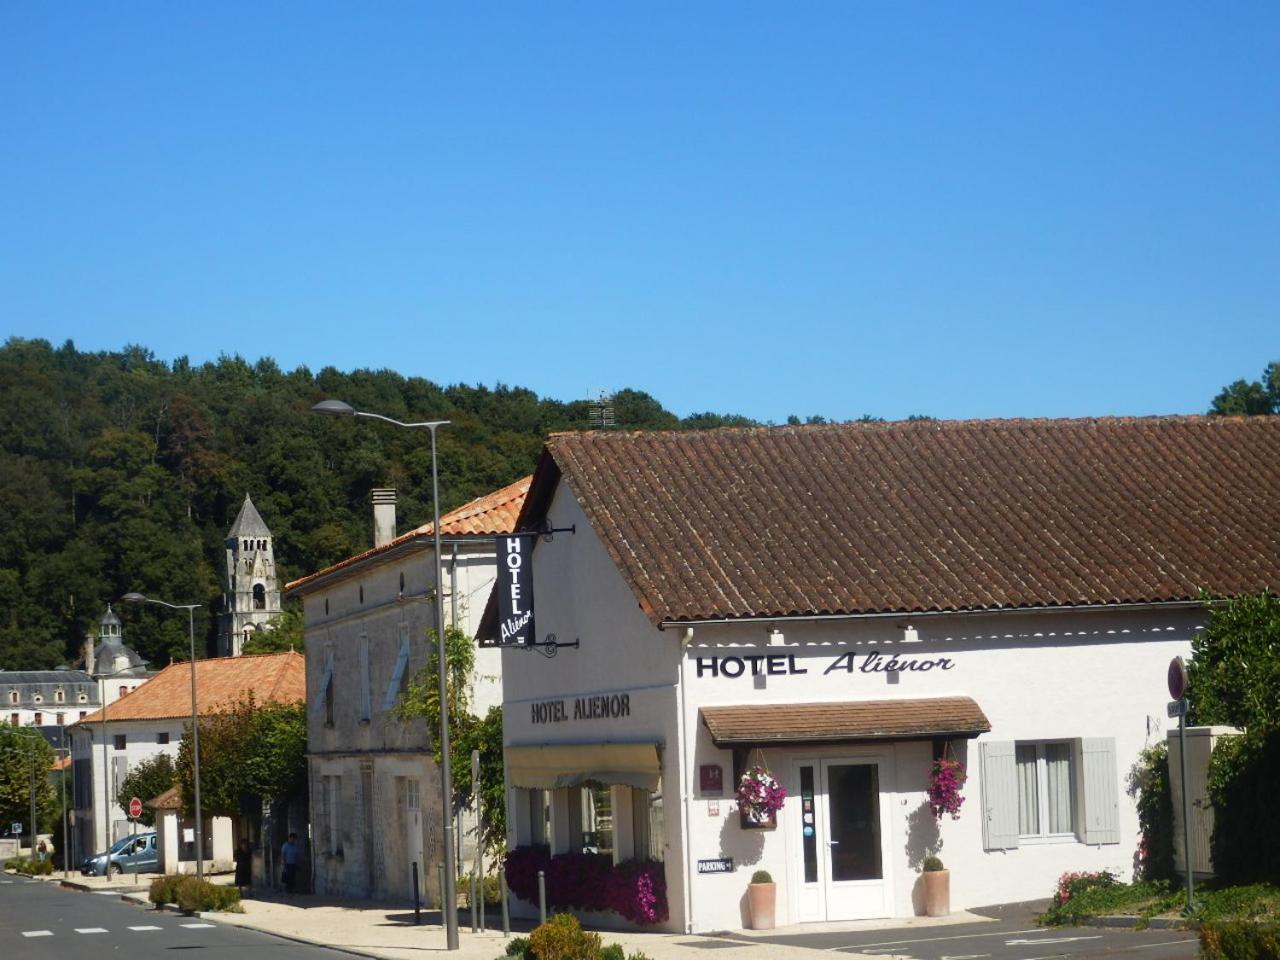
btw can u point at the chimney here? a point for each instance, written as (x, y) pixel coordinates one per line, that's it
(384, 517)
(88, 653)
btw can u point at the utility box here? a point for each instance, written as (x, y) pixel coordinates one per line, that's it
(1200, 743)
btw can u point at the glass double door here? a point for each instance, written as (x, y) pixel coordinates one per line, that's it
(844, 840)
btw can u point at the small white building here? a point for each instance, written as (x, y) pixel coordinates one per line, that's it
(843, 604)
(150, 721)
(375, 789)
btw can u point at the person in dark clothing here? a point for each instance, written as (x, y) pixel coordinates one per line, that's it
(244, 866)
(289, 856)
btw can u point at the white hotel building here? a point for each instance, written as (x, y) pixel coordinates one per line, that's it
(844, 603)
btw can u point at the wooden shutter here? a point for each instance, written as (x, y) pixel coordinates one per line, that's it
(366, 695)
(325, 679)
(397, 675)
(999, 795)
(1101, 792)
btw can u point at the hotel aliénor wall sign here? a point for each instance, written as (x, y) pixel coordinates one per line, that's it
(784, 664)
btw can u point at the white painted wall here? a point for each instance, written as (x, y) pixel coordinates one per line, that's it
(1036, 676)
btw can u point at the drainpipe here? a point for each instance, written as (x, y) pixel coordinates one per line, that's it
(686, 638)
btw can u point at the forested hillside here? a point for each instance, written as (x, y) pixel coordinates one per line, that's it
(120, 472)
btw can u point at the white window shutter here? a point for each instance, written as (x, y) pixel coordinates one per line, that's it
(1101, 791)
(366, 695)
(999, 795)
(397, 675)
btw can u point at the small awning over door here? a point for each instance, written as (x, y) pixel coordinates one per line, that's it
(552, 766)
(782, 723)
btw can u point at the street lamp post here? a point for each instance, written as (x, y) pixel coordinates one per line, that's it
(106, 766)
(449, 896)
(195, 716)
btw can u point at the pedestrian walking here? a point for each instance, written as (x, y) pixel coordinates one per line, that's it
(289, 857)
(244, 866)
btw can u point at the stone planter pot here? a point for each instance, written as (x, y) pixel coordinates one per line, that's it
(762, 898)
(937, 893)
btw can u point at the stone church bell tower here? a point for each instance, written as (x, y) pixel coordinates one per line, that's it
(252, 598)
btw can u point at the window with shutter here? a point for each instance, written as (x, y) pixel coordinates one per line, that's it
(397, 675)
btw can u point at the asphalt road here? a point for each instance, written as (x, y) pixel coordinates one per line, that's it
(41, 920)
(1013, 936)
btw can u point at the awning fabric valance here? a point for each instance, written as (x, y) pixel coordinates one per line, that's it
(553, 766)
(781, 723)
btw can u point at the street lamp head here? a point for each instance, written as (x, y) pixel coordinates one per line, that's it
(134, 598)
(334, 408)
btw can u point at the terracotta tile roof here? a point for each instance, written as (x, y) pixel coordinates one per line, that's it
(830, 722)
(272, 677)
(171, 799)
(927, 516)
(483, 517)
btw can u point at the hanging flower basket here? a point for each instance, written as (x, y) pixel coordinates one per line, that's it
(760, 796)
(946, 780)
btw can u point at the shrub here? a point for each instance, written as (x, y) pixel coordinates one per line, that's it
(31, 868)
(637, 956)
(1239, 940)
(636, 891)
(1148, 784)
(194, 895)
(932, 865)
(761, 876)
(519, 947)
(1246, 836)
(613, 951)
(562, 938)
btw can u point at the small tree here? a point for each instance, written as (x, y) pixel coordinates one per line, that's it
(25, 761)
(249, 749)
(421, 699)
(1235, 665)
(146, 781)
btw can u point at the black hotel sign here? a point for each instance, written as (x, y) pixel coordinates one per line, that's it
(515, 589)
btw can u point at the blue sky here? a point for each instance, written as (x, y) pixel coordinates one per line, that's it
(967, 210)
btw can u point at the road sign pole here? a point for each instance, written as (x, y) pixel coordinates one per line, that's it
(1186, 803)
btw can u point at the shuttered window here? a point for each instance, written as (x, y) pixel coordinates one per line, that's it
(1050, 789)
(366, 695)
(397, 675)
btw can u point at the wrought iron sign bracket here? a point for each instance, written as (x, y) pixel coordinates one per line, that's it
(548, 647)
(546, 531)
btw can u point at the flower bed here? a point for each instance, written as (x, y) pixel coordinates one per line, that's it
(636, 890)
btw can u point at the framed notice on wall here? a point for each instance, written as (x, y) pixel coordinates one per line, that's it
(711, 779)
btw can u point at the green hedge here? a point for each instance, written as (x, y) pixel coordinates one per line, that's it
(193, 895)
(562, 938)
(1243, 772)
(1238, 940)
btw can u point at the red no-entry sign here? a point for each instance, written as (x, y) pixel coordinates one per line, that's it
(135, 808)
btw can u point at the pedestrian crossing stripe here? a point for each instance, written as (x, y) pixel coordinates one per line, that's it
(91, 929)
(197, 926)
(145, 928)
(37, 933)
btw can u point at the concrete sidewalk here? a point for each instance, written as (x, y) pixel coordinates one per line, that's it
(377, 930)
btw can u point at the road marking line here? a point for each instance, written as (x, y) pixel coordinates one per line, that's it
(960, 936)
(1037, 943)
(197, 926)
(146, 928)
(107, 893)
(91, 929)
(1162, 943)
(37, 933)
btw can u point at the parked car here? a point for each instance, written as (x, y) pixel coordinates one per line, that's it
(132, 854)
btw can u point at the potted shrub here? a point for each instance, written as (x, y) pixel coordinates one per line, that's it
(937, 888)
(762, 897)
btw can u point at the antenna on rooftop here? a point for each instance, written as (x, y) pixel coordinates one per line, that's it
(600, 410)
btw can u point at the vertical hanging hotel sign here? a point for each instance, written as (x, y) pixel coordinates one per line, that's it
(515, 589)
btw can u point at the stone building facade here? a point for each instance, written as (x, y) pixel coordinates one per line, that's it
(252, 598)
(375, 789)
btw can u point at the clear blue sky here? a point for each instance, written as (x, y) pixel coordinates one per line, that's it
(967, 210)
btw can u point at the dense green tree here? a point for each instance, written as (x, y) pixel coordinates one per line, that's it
(1250, 397)
(146, 781)
(1234, 674)
(251, 750)
(25, 762)
(119, 472)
